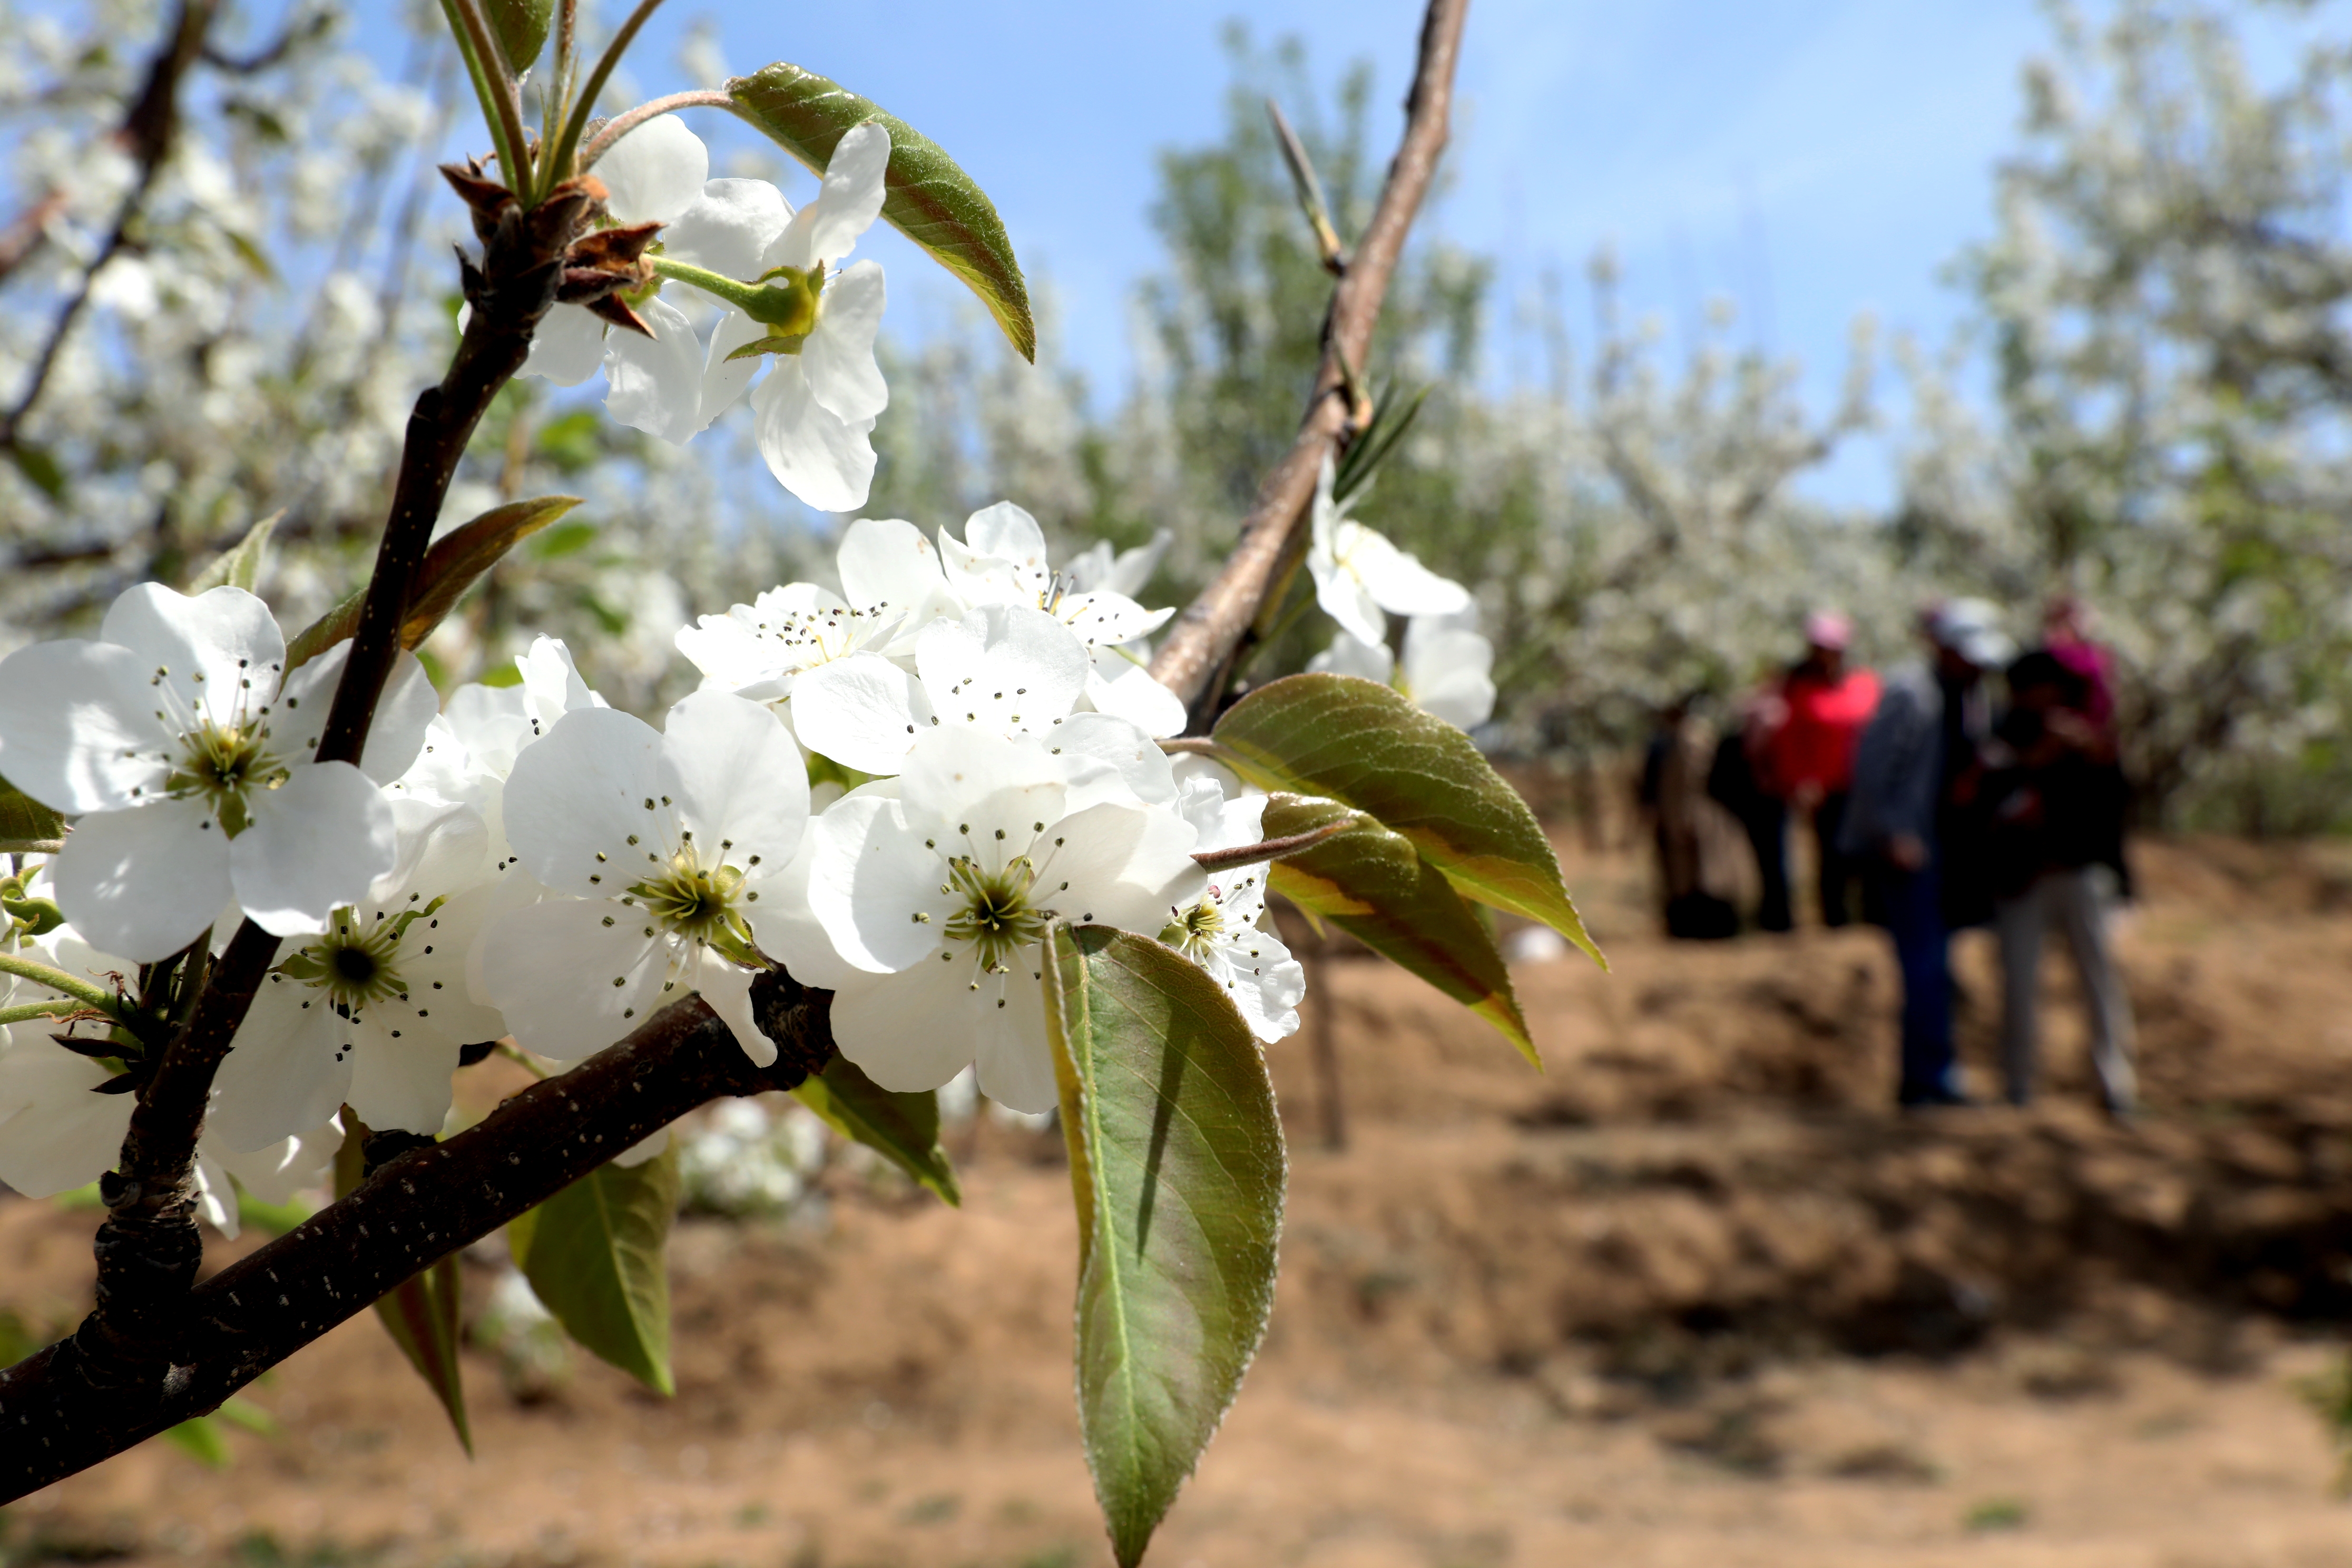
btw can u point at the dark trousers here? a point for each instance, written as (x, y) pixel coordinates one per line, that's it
(1839, 872)
(1911, 903)
(1767, 821)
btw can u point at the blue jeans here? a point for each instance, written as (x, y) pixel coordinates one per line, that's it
(1911, 903)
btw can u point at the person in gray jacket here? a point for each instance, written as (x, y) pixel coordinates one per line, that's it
(1916, 761)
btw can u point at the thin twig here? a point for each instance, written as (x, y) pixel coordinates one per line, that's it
(620, 125)
(558, 167)
(1196, 660)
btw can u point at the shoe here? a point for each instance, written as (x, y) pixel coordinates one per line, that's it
(1932, 1099)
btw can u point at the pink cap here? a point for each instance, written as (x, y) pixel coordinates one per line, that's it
(1827, 628)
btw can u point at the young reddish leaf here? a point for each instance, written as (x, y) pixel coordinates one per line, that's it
(1178, 1168)
(1371, 884)
(1366, 745)
(928, 198)
(450, 567)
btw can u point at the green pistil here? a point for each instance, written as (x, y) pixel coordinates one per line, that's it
(355, 964)
(1196, 932)
(224, 763)
(699, 905)
(997, 917)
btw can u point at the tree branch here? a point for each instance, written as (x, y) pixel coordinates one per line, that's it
(1197, 660)
(58, 1415)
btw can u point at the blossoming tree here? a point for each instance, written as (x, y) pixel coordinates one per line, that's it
(267, 893)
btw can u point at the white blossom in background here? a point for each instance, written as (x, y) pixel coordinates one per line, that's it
(371, 1013)
(1226, 930)
(192, 782)
(657, 846)
(1360, 577)
(937, 889)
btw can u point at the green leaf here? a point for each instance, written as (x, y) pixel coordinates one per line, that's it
(929, 199)
(41, 470)
(593, 1254)
(450, 567)
(201, 1437)
(240, 566)
(421, 1312)
(1177, 1164)
(251, 1417)
(1366, 745)
(522, 26)
(1371, 884)
(903, 1127)
(27, 826)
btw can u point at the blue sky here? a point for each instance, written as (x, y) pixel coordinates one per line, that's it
(1806, 159)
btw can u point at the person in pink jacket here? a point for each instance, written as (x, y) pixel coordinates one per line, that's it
(1825, 707)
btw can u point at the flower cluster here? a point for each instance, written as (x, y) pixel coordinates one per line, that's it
(896, 790)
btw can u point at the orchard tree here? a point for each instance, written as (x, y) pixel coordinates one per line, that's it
(2167, 304)
(267, 893)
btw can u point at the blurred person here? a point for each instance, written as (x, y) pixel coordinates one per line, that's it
(1825, 706)
(2055, 805)
(1916, 772)
(2067, 624)
(1739, 781)
(1692, 833)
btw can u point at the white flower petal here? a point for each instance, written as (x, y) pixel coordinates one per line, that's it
(724, 379)
(1447, 672)
(1344, 598)
(571, 976)
(1127, 866)
(222, 648)
(727, 988)
(1130, 693)
(1350, 655)
(868, 879)
(568, 347)
(1393, 577)
(78, 730)
(886, 564)
(1016, 1064)
(317, 841)
(657, 382)
(289, 1069)
(909, 1032)
(839, 354)
(846, 207)
(55, 1134)
(654, 173)
(144, 882)
(1005, 669)
(787, 930)
(1125, 748)
(578, 792)
(737, 778)
(404, 1080)
(729, 227)
(863, 712)
(403, 711)
(825, 460)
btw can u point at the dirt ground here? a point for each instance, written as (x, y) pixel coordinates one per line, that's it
(1693, 1295)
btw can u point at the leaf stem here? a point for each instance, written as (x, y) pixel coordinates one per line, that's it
(741, 295)
(558, 166)
(54, 1007)
(522, 1058)
(620, 125)
(86, 992)
(1272, 848)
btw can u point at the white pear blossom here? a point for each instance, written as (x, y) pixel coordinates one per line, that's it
(937, 889)
(1226, 930)
(1360, 575)
(372, 1012)
(1002, 560)
(193, 780)
(657, 846)
(1006, 669)
(1447, 668)
(891, 589)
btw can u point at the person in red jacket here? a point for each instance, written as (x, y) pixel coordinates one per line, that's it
(1811, 761)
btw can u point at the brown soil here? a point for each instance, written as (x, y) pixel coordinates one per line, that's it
(1692, 1296)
